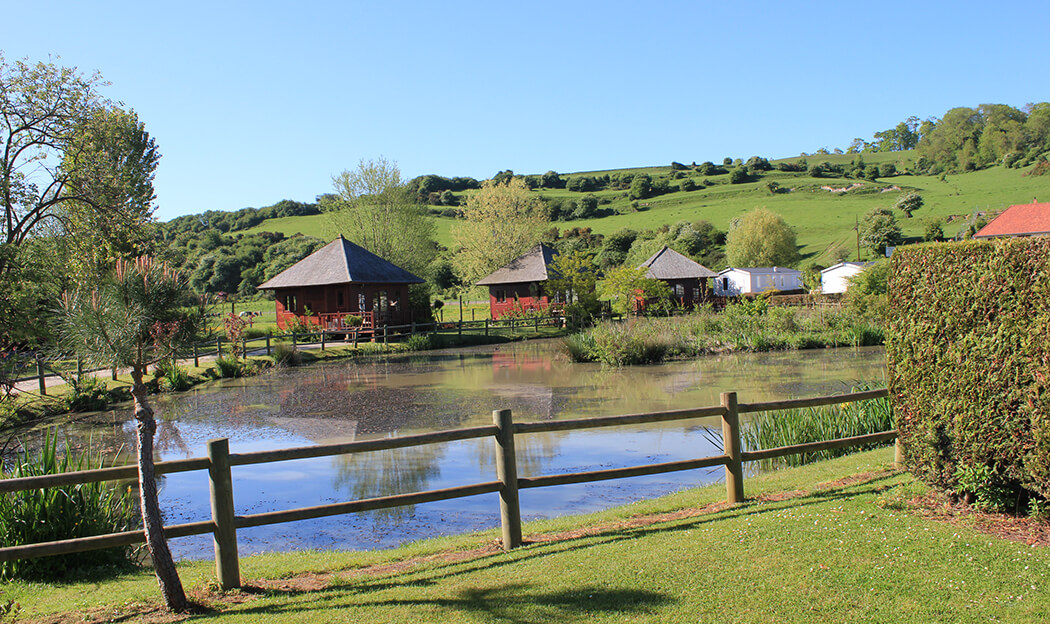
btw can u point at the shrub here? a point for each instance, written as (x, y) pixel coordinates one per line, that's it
(967, 355)
(285, 354)
(229, 366)
(50, 514)
(738, 175)
(421, 342)
(687, 184)
(87, 393)
(174, 379)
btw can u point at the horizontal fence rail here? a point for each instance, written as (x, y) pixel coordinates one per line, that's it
(224, 523)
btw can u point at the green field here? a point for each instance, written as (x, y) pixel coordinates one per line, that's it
(822, 219)
(832, 542)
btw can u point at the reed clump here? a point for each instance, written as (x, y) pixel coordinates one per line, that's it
(747, 326)
(767, 430)
(52, 514)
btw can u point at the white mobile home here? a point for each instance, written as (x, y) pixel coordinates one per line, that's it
(736, 281)
(835, 279)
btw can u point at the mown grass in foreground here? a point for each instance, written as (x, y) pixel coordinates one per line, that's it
(830, 553)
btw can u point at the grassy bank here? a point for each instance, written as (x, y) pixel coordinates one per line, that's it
(832, 542)
(746, 326)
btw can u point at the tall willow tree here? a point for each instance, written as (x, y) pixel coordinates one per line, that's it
(137, 317)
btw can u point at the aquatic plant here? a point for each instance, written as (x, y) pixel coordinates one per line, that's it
(767, 430)
(50, 514)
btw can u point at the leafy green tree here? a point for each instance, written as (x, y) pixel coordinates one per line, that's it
(586, 207)
(641, 186)
(761, 238)
(738, 175)
(626, 284)
(135, 319)
(933, 231)
(574, 277)
(501, 222)
(109, 164)
(908, 203)
(687, 184)
(879, 230)
(43, 108)
(375, 209)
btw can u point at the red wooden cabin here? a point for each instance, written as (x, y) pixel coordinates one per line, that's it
(338, 281)
(519, 286)
(688, 279)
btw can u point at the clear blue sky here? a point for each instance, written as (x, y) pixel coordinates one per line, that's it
(260, 101)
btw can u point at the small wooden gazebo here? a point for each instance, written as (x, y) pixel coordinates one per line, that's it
(338, 281)
(687, 278)
(519, 286)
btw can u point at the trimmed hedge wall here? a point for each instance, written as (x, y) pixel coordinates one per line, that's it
(968, 351)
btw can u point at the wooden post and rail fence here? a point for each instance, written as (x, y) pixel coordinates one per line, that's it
(263, 344)
(224, 521)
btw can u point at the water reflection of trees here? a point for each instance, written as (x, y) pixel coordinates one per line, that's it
(385, 473)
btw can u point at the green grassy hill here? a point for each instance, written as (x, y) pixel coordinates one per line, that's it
(823, 219)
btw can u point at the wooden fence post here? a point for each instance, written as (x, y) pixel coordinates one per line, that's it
(40, 375)
(196, 356)
(731, 444)
(244, 347)
(460, 328)
(267, 343)
(898, 452)
(507, 475)
(356, 331)
(80, 368)
(322, 340)
(486, 327)
(218, 347)
(114, 373)
(295, 341)
(220, 481)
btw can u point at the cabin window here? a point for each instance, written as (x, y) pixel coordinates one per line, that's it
(340, 299)
(384, 302)
(696, 294)
(501, 295)
(289, 303)
(679, 290)
(725, 284)
(361, 302)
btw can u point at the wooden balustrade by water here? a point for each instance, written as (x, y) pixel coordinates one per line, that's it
(225, 522)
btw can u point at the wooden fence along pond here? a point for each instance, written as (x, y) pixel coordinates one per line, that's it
(24, 370)
(225, 522)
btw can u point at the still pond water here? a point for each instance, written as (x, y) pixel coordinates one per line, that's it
(399, 395)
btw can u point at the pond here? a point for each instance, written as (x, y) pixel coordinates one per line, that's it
(407, 394)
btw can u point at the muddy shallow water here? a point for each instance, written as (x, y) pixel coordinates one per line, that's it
(398, 395)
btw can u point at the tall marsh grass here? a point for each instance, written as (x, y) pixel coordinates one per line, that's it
(51, 514)
(746, 326)
(767, 430)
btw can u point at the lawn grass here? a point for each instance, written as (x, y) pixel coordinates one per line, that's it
(824, 221)
(845, 551)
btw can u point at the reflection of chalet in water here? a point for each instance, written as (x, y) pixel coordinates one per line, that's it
(519, 286)
(339, 280)
(688, 279)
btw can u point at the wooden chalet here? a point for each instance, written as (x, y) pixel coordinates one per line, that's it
(338, 281)
(519, 286)
(688, 279)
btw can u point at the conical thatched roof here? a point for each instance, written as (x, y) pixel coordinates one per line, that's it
(531, 266)
(340, 262)
(668, 264)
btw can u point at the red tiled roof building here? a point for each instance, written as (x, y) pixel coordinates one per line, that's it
(1019, 220)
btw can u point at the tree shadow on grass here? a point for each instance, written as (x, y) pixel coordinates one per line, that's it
(521, 602)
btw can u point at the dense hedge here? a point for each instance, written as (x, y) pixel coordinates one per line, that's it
(968, 349)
